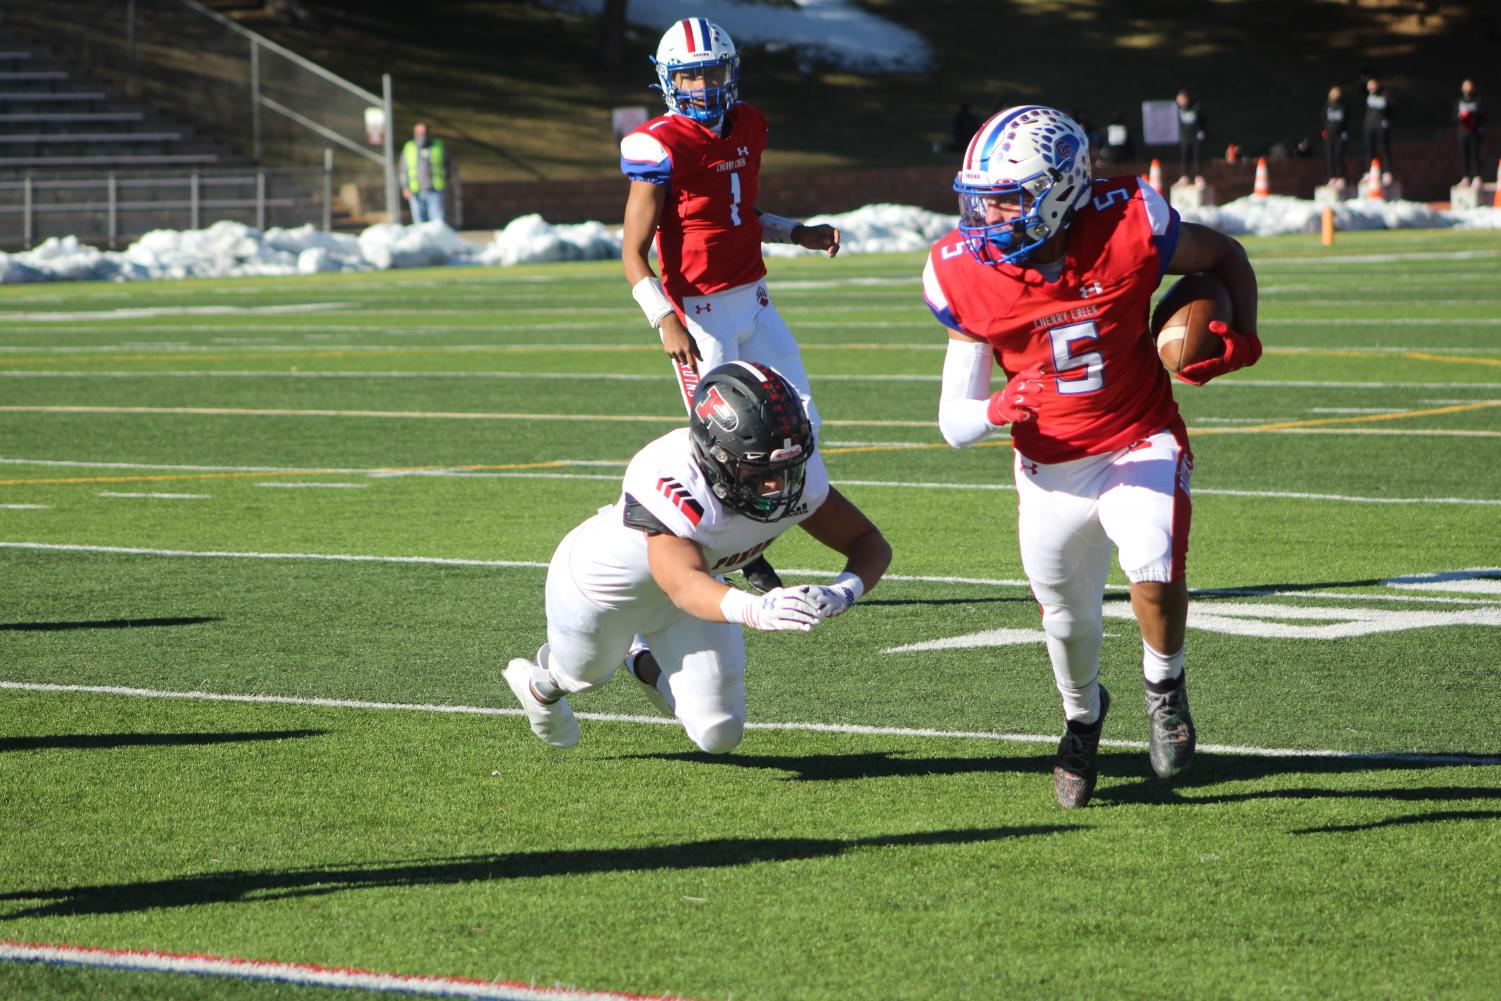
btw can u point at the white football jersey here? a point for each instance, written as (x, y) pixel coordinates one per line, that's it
(664, 488)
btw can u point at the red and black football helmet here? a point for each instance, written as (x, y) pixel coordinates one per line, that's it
(752, 438)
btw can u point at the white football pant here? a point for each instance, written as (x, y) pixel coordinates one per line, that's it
(742, 324)
(1071, 516)
(703, 663)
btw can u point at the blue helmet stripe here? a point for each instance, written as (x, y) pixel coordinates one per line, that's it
(995, 134)
(703, 33)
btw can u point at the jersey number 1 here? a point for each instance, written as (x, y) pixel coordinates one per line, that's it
(735, 199)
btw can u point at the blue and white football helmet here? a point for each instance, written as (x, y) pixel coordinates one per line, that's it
(1036, 155)
(698, 43)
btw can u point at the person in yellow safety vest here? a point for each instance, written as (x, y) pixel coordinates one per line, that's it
(426, 170)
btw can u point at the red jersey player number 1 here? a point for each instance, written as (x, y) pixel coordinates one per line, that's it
(695, 178)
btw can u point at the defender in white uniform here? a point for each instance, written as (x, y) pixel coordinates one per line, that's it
(640, 581)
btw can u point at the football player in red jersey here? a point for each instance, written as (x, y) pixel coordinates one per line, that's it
(694, 180)
(1050, 276)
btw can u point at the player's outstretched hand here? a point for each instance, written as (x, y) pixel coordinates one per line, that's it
(1016, 402)
(677, 342)
(821, 237)
(833, 599)
(1241, 350)
(783, 609)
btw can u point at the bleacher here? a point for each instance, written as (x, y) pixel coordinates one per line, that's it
(52, 117)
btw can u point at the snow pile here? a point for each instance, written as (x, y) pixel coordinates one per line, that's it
(231, 249)
(835, 30)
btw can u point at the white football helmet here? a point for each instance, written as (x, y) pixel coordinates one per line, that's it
(1037, 155)
(698, 43)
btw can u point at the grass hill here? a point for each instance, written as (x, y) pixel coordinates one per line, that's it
(520, 92)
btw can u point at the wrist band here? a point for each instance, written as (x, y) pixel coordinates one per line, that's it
(653, 302)
(851, 581)
(736, 605)
(777, 229)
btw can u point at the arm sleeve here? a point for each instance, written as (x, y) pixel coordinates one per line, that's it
(966, 393)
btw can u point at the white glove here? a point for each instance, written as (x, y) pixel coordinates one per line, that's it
(778, 610)
(836, 598)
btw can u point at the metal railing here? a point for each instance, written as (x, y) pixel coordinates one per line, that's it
(274, 105)
(115, 208)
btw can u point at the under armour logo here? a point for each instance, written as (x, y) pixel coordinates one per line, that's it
(1090, 288)
(702, 307)
(742, 151)
(1029, 467)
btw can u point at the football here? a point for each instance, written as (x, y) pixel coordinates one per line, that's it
(1181, 318)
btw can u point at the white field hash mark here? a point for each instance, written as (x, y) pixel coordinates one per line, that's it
(855, 729)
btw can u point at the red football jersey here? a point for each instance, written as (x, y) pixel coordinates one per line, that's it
(1087, 330)
(709, 237)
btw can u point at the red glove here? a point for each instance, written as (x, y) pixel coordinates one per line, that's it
(1017, 402)
(1241, 349)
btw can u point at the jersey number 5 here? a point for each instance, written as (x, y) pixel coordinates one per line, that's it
(1077, 373)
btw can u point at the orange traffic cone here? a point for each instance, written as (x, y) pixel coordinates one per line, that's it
(1496, 201)
(1154, 177)
(1373, 182)
(1263, 185)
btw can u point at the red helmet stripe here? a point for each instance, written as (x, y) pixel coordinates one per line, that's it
(688, 32)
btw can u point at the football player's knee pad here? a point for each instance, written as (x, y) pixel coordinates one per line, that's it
(1072, 627)
(717, 736)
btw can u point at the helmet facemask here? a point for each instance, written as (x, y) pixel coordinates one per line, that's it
(1004, 224)
(763, 490)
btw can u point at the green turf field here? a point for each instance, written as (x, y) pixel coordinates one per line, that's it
(339, 494)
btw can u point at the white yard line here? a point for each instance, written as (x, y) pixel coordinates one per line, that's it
(143, 312)
(24, 507)
(815, 573)
(461, 473)
(315, 486)
(844, 728)
(154, 496)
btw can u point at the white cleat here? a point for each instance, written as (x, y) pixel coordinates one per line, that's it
(553, 722)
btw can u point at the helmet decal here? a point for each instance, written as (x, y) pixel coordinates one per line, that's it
(712, 407)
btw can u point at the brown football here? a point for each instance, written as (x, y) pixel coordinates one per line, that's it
(1181, 318)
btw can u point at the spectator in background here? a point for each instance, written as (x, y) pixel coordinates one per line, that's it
(1191, 136)
(1335, 136)
(964, 125)
(426, 172)
(1469, 118)
(1118, 147)
(1378, 127)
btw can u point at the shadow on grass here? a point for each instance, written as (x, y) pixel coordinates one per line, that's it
(57, 627)
(104, 741)
(1436, 817)
(274, 884)
(1207, 770)
(873, 765)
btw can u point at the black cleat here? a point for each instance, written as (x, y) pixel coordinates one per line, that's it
(760, 575)
(1075, 771)
(1173, 738)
